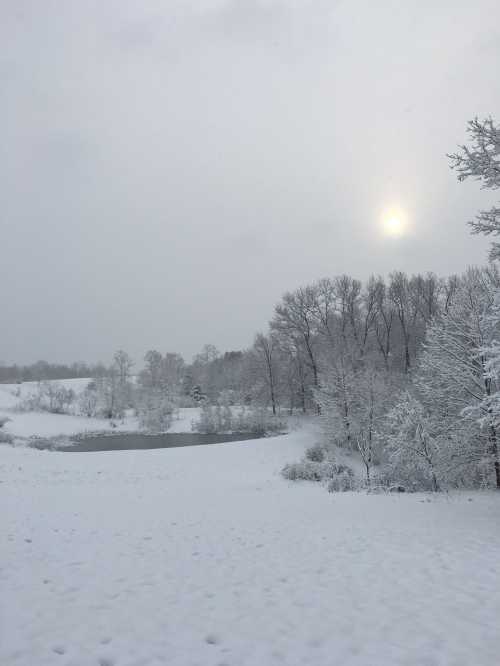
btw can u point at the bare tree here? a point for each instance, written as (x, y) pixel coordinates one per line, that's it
(173, 368)
(406, 306)
(266, 347)
(151, 375)
(295, 319)
(123, 364)
(384, 319)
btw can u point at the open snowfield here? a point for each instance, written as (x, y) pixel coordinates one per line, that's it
(205, 555)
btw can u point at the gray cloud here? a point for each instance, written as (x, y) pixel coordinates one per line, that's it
(169, 169)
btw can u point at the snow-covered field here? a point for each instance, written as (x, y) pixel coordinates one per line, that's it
(206, 556)
(44, 424)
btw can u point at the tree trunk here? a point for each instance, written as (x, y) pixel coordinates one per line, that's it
(347, 425)
(316, 382)
(303, 395)
(314, 367)
(494, 451)
(407, 356)
(273, 398)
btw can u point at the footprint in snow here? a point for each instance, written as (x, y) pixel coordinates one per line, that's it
(212, 639)
(59, 649)
(106, 661)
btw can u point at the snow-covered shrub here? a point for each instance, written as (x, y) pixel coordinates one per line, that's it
(224, 418)
(156, 412)
(258, 420)
(5, 437)
(305, 470)
(220, 419)
(209, 421)
(316, 453)
(310, 470)
(342, 482)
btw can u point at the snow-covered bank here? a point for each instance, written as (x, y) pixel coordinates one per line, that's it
(43, 424)
(206, 555)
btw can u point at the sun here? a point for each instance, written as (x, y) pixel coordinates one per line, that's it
(394, 223)
(393, 226)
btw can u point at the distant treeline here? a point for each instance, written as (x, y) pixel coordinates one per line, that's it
(42, 370)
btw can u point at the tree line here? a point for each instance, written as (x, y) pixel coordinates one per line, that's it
(44, 371)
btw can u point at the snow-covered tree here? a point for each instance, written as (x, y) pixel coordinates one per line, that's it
(353, 402)
(110, 395)
(172, 371)
(487, 410)
(335, 396)
(151, 375)
(120, 380)
(123, 364)
(412, 444)
(481, 161)
(373, 396)
(155, 411)
(49, 396)
(88, 400)
(455, 377)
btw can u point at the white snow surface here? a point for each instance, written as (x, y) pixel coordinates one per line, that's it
(206, 556)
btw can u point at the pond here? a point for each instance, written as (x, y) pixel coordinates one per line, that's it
(134, 441)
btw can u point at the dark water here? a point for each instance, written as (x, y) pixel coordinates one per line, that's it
(134, 441)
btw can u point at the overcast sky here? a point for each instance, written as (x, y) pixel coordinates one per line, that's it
(169, 168)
